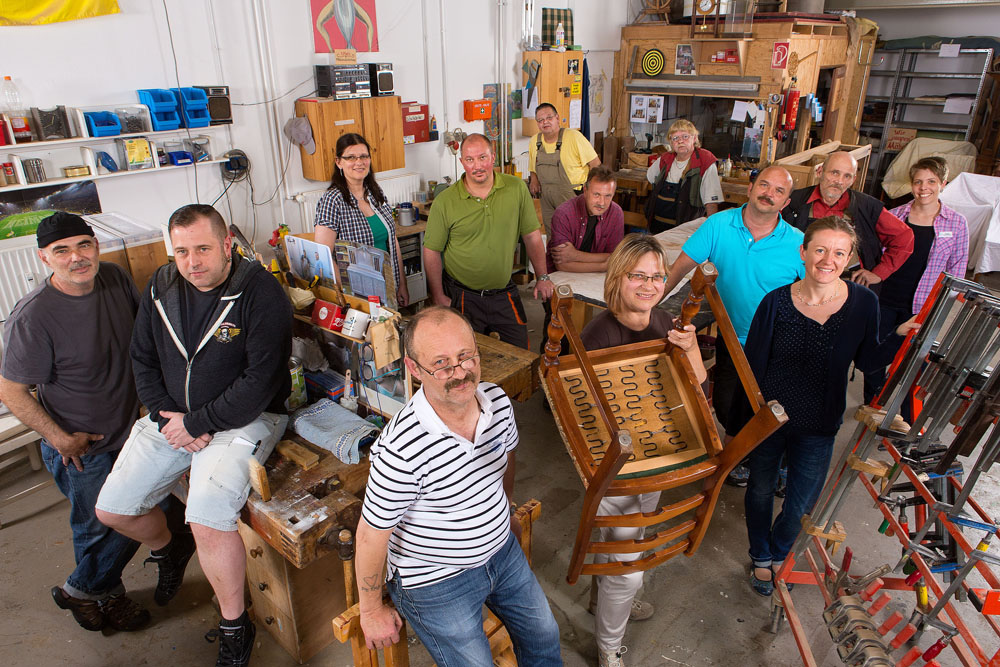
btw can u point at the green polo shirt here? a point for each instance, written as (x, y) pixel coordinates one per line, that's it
(477, 236)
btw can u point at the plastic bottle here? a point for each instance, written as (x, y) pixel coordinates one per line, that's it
(560, 35)
(15, 111)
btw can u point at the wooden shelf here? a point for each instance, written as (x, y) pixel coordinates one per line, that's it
(113, 174)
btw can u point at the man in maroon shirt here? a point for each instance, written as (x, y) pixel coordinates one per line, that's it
(884, 241)
(586, 228)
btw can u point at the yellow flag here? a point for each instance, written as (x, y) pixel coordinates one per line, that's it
(38, 12)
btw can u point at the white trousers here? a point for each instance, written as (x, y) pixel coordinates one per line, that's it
(616, 592)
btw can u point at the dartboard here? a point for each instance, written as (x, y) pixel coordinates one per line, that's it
(652, 62)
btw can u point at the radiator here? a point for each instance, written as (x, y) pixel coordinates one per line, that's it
(20, 271)
(396, 188)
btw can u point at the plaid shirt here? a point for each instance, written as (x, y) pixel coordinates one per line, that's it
(949, 251)
(351, 225)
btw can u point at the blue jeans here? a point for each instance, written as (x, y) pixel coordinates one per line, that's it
(889, 319)
(808, 458)
(448, 615)
(101, 553)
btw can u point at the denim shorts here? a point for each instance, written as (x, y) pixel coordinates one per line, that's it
(148, 469)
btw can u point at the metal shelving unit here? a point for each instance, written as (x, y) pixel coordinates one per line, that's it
(901, 97)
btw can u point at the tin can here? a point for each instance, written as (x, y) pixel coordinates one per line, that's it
(8, 173)
(297, 397)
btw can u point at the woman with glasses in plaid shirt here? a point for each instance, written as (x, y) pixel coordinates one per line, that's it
(940, 244)
(354, 208)
(633, 286)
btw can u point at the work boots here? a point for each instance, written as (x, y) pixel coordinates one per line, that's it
(235, 641)
(171, 566)
(117, 611)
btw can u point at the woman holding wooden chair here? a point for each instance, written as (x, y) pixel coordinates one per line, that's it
(801, 344)
(634, 285)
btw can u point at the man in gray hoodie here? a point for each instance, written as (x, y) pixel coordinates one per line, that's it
(210, 355)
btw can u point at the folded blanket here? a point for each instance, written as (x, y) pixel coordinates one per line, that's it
(327, 425)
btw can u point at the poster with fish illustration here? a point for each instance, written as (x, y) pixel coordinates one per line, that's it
(344, 24)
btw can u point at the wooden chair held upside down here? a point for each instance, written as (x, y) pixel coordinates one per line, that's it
(634, 420)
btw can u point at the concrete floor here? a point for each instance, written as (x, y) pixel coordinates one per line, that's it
(706, 612)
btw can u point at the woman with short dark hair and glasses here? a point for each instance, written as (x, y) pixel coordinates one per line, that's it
(354, 208)
(633, 286)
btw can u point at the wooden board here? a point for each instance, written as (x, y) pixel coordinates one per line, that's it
(141, 260)
(513, 368)
(307, 507)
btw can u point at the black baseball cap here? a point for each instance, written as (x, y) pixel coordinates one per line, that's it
(61, 225)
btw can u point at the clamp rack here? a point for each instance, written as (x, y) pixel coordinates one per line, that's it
(950, 366)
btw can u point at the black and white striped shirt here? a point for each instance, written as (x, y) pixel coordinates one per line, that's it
(441, 495)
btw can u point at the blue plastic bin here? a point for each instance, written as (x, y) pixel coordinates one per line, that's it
(162, 105)
(193, 107)
(102, 123)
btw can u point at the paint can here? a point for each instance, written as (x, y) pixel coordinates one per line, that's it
(297, 397)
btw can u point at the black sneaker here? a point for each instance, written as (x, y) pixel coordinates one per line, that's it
(124, 614)
(235, 644)
(88, 613)
(172, 566)
(739, 476)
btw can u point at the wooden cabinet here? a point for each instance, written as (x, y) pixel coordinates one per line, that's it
(559, 82)
(377, 119)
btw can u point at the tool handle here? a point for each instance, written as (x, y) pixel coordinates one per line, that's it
(910, 657)
(913, 578)
(890, 623)
(935, 649)
(904, 635)
(845, 565)
(877, 605)
(869, 592)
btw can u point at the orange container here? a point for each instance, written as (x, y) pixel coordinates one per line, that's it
(478, 109)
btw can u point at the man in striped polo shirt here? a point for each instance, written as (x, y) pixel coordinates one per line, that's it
(437, 505)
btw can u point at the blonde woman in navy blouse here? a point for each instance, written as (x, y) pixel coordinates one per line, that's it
(354, 208)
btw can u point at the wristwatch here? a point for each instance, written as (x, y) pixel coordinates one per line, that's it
(544, 276)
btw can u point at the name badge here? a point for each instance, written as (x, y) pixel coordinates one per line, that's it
(947, 235)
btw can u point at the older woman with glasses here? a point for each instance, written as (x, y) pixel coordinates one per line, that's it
(634, 285)
(354, 208)
(685, 180)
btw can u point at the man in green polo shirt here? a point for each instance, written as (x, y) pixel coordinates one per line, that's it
(472, 231)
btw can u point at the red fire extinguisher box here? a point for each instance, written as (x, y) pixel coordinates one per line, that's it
(478, 110)
(416, 123)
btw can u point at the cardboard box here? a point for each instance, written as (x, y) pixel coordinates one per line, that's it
(899, 137)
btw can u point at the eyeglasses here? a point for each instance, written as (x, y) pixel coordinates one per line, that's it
(545, 119)
(354, 158)
(679, 137)
(446, 372)
(643, 278)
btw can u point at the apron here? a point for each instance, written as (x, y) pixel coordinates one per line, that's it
(553, 180)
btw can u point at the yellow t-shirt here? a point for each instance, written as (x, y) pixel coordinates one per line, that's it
(575, 154)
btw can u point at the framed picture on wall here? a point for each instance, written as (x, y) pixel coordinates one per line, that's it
(344, 24)
(684, 61)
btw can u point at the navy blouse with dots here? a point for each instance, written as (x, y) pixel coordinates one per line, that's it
(804, 365)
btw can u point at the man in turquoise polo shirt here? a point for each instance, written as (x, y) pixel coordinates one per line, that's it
(472, 231)
(755, 252)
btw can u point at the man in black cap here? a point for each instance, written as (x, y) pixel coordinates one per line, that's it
(70, 339)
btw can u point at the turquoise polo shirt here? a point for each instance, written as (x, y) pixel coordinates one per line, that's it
(748, 269)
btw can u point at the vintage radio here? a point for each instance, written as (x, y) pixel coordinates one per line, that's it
(342, 82)
(380, 77)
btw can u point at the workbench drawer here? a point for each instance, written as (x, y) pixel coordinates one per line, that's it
(281, 626)
(265, 570)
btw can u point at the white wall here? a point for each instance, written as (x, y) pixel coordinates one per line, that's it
(942, 21)
(104, 60)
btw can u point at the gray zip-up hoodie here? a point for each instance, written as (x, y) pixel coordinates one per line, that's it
(240, 367)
